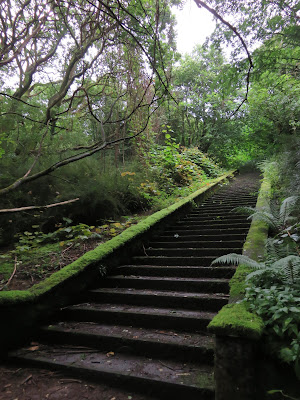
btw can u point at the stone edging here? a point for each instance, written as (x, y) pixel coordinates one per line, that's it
(237, 331)
(234, 319)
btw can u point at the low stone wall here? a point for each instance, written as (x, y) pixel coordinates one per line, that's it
(22, 311)
(237, 331)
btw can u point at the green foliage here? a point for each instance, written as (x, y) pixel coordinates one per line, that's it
(173, 167)
(28, 240)
(37, 254)
(285, 269)
(271, 288)
(279, 307)
(211, 168)
(277, 219)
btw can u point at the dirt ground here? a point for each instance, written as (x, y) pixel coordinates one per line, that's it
(34, 384)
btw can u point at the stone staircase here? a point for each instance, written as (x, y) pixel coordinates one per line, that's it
(146, 326)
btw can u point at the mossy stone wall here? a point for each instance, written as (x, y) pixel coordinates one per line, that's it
(22, 311)
(237, 330)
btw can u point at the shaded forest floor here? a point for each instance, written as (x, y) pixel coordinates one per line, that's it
(31, 262)
(36, 384)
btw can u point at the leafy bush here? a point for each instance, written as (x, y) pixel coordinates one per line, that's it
(279, 307)
(173, 167)
(28, 240)
(273, 290)
(202, 160)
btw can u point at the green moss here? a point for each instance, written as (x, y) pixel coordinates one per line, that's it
(15, 296)
(6, 269)
(238, 282)
(105, 249)
(254, 246)
(236, 320)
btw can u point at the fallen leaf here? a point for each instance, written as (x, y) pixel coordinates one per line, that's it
(33, 348)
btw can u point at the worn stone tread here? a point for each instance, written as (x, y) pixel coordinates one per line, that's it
(138, 340)
(194, 380)
(132, 309)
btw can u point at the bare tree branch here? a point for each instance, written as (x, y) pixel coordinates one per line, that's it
(67, 161)
(13, 210)
(18, 99)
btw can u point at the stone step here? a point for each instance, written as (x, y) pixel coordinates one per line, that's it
(243, 195)
(204, 207)
(157, 298)
(139, 316)
(207, 231)
(210, 225)
(166, 380)
(190, 252)
(167, 237)
(204, 261)
(177, 271)
(205, 219)
(198, 244)
(197, 285)
(213, 214)
(157, 343)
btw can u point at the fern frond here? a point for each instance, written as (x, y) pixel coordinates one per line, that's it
(290, 267)
(237, 259)
(287, 206)
(268, 218)
(258, 272)
(275, 251)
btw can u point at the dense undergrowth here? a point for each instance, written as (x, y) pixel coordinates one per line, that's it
(273, 286)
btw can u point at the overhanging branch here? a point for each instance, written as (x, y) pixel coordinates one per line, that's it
(234, 30)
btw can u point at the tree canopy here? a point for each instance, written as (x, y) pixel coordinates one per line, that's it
(103, 79)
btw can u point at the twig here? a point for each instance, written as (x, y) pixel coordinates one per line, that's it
(12, 275)
(145, 250)
(68, 380)
(26, 380)
(67, 248)
(173, 369)
(8, 210)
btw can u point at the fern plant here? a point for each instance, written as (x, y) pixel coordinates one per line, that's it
(279, 264)
(277, 219)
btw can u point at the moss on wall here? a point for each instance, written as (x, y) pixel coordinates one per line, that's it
(234, 319)
(237, 283)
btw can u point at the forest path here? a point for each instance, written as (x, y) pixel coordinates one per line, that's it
(146, 329)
